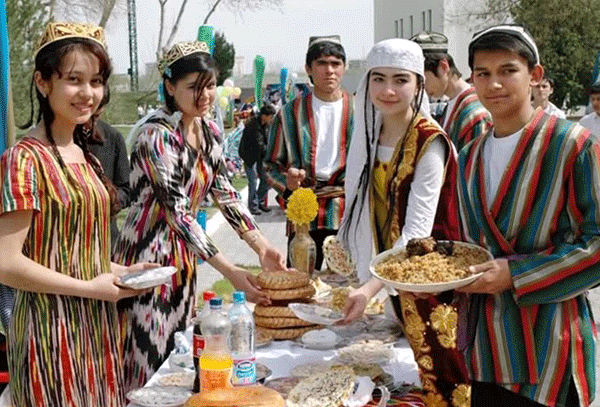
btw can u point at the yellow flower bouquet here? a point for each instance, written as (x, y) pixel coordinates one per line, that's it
(302, 206)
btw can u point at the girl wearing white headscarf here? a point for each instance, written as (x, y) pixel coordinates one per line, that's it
(400, 184)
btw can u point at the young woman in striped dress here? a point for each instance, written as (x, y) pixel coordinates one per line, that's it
(63, 339)
(176, 161)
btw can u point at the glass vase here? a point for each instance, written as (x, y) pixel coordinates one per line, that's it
(303, 250)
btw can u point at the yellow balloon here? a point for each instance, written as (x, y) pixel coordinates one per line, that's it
(236, 92)
(224, 102)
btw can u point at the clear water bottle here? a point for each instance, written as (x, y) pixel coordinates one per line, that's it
(199, 338)
(242, 341)
(215, 361)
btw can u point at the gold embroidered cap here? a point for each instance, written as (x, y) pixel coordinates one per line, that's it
(180, 50)
(59, 31)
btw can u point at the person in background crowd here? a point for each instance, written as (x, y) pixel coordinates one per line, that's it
(592, 120)
(64, 336)
(541, 97)
(176, 161)
(463, 118)
(525, 195)
(108, 145)
(252, 149)
(309, 139)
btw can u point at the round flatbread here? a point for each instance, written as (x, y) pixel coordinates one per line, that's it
(266, 311)
(285, 334)
(301, 292)
(282, 280)
(337, 258)
(330, 388)
(268, 322)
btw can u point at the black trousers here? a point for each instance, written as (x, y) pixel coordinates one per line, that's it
(318, 236)
(491, 395)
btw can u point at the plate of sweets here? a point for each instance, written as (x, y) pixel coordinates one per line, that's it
(147, 278)
(429, 266)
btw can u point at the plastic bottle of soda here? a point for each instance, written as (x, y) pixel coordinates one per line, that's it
(242, 341)
(215, 361)
(198, 338)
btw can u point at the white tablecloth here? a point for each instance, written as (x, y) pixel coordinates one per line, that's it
(282, 356)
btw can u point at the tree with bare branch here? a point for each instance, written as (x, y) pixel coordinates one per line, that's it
(98, 11)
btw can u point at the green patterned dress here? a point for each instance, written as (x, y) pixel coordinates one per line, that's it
(63, 350)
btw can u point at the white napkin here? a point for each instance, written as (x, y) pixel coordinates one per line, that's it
(181, 356)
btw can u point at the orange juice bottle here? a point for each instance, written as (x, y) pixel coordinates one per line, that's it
(216, 364)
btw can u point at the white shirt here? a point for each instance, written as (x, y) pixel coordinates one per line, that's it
(592, 123)
(553, 110)
(328, 126)
(425, 190)
(497, 152)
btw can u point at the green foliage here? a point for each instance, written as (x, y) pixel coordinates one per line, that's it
(26, 21)
(567, 33)
(224, 55)
(122, 108)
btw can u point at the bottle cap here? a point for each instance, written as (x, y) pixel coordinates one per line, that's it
(208, 295)
(216, 302)
(239, 297)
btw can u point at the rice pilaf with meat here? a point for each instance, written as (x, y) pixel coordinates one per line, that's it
(431, 267)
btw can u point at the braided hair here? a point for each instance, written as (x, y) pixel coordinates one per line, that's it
(49, 61)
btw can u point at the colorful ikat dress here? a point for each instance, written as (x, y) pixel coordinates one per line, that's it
(169, 180)
(63, 350)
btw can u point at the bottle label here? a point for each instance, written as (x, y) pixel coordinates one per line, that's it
(198, 345)
(244, 371)
(211, 379)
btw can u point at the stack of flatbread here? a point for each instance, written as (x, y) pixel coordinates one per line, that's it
(283, 288)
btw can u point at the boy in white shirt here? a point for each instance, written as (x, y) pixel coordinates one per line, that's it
(592, 120)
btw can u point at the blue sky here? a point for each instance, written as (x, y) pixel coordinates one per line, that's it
(279, 36)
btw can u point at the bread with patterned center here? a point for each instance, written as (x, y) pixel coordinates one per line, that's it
(330, 388)
(282, 280)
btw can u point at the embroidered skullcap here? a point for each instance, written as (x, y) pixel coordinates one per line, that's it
(431, 41)
(57, 31)
(180, 50)
(516, 31)
(397, 53)
(335, 39)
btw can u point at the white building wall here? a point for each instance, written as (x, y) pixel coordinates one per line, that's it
(392, 18)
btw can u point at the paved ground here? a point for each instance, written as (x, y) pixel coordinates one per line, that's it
(272, 225)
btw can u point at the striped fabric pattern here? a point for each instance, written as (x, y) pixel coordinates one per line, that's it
(468, 119)
(169, 180)
(63, 350)
(546, 217)
(293, 143)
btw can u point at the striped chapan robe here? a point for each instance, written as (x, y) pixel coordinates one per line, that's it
(468, 119)
(545, 220)
(293, 143)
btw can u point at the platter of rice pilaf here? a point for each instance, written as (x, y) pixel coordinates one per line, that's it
(429, 266)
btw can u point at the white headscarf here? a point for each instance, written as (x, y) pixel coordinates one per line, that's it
(355, 231)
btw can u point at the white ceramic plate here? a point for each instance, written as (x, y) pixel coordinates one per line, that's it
(339, 342)
(147, 278)
(159, 396)
(424, 288)
(315, 314)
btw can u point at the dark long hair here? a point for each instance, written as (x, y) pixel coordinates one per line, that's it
(370, 135)
(198, 62)
(49, 61)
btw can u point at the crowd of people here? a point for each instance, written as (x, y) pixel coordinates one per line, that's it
(493, 163)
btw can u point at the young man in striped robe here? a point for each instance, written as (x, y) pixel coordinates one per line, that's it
(310, 136)
(463, 117)
(530, 193)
